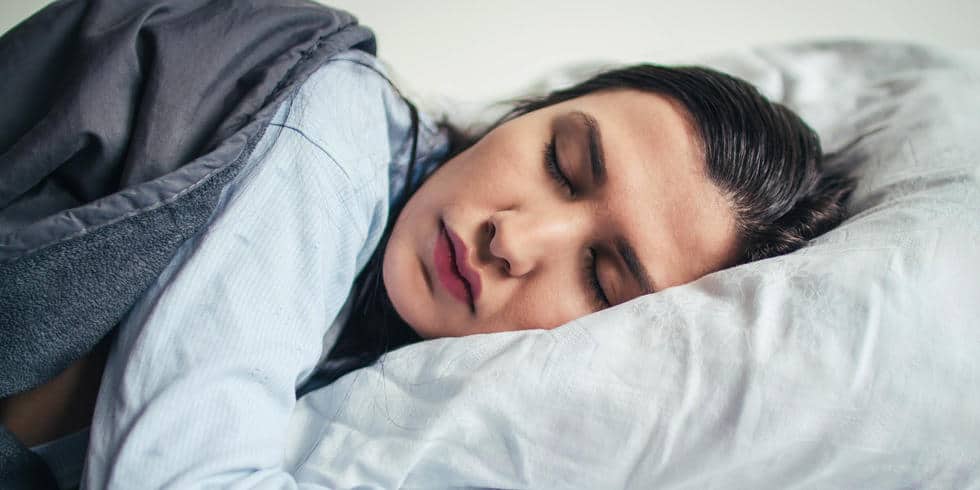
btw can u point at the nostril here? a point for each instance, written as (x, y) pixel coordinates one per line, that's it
(492, 232)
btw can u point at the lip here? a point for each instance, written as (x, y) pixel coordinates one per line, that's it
(455, 274)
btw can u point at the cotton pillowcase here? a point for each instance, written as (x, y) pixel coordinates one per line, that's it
(852, 363)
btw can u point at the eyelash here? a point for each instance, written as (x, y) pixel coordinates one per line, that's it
(591, 274)
(554, 170)
(593, 278)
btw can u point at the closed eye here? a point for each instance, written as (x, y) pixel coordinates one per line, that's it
(592, 277)
(553, 167)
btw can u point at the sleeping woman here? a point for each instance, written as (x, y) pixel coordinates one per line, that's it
(362, 226)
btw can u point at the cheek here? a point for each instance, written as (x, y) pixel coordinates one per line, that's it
(505, 160)
(539, 303)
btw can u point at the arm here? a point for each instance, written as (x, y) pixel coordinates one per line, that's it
(200, 385)
(59, 407)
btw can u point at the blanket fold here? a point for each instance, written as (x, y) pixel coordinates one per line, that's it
(124, 120)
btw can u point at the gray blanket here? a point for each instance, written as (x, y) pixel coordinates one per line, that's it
(122, 122)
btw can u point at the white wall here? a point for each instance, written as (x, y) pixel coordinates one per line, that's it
(480, 50)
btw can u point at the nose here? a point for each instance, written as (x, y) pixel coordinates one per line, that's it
(525, 240)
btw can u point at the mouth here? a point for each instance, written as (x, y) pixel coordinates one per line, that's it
(462, 282)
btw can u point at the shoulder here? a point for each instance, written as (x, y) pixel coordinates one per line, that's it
(352, 76)
(353, 115)
(343, 111)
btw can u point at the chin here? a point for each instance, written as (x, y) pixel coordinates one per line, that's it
(402, 278)
(426, 335)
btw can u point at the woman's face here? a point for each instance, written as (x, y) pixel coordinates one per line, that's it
(495, 240)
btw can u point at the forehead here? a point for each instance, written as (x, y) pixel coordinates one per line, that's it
(658, 195)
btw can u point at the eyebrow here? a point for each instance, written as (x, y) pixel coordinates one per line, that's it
(596, 156)
(636, 268)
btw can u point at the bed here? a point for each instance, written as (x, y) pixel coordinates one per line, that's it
(852, 363)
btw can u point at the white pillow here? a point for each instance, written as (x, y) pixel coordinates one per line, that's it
(853, 363)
